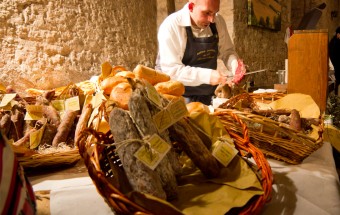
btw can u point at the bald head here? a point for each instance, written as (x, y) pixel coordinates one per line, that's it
(203, 12)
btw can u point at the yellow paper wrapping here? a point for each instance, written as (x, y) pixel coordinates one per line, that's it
(331, 134)
(236, 185)
(234, 188)
(301, 102)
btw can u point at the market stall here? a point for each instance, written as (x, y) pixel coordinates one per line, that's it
(71, 191)
(141, 149)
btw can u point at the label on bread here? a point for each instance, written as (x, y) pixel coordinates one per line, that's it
(6, 100)
(59, 105)
(72, 103)
(97, 100)
(170, 115)
(224, 152)
(178, 110)
(35, 137)
(33, 112)
(163, 120)
(153, 152)
(153, 94)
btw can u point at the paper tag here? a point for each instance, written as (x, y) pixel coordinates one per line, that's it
(158, 144)
(87, 100)
(97, 100)
(35, 137)
(59, 105)
(7, 98)
(153, 154)
(149, 159)
(163, 120)
(94, 113)
(8, 107)
(33, 112)
(178, 110)
(72, 103)
(224, 152)
(153, 94)
(170, 115)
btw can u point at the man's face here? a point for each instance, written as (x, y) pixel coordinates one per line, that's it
(204, 12)
(338, 36)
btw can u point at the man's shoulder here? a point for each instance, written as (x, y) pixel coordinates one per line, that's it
(219, 19)
(178, 18)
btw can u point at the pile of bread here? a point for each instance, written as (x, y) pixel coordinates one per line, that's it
(113, 81)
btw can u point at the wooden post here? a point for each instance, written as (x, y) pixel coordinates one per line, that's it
(170, 4)
(308, 65)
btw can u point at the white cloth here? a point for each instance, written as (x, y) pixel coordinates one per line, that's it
(172, 39)
(311, 187)
(74, 196)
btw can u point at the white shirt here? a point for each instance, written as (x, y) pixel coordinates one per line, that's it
(172, 39)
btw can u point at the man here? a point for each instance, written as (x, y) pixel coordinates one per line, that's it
(334, 55)
(190, 42)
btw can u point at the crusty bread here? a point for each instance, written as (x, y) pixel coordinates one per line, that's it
(121, 94)
(197, 107)
(172, 97)
(127, 74)
(110, 82)
(150, 75)
(171, 87)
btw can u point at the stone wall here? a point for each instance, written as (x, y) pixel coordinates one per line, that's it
(46, 44)
(326, 20)
(259, 47)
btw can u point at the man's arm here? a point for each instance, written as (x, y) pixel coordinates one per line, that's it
(226, 48)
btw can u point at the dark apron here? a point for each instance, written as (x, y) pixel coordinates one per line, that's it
(201, 52)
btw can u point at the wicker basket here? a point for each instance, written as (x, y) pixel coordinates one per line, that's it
(267, 97)
(275, 139)
(50, 159)
(95, 157)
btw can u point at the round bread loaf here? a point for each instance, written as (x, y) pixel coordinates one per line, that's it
(121, 94)
(172, 97)
(127, 74)
(149, 74)
(171, 87)
(110, 82)
(197, 107)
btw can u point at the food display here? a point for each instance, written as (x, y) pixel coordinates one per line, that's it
(137, 130)
(149, 150)
(288, 129)
(42, 125)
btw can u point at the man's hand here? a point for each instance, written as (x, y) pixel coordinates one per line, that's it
(239, 72)
(218, 77)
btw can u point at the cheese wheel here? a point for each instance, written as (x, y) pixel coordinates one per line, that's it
(171, 87)
(150, 75)
(121, 95)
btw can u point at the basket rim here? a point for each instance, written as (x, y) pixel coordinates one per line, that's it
(298, 144)
(56, 158)
(121, 203)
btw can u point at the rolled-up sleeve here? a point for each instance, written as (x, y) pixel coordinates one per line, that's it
(226, 47)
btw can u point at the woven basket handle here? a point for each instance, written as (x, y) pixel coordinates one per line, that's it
(245, 148)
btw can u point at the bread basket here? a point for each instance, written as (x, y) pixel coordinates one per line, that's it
(98, 154)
